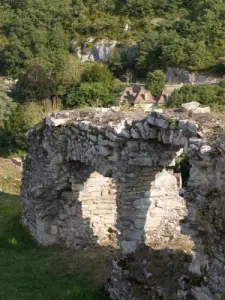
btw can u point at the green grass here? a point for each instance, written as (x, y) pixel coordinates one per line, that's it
(32, 272)
(8, 152)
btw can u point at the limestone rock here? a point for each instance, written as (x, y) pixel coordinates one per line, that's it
(191, 106)
(94, 51)
(202, 110)
(128, 247)
(205, 149)
(50, 121)
(180, 75)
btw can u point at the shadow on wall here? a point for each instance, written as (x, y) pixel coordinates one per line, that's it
(139, 203)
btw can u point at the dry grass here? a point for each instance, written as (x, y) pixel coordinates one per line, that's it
(179, 243)
(10, 177)
(34, 112)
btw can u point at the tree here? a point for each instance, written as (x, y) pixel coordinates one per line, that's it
(137, 8)
(98, 72)
(34, 85)
(6, 103)
(155, 82)
(115, 63)
(66, 73)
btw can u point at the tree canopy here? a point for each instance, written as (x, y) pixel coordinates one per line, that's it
(175, 33)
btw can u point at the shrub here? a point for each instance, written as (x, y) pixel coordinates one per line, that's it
(89, 94)
(204, 94)
(66, 74)
(23, 118)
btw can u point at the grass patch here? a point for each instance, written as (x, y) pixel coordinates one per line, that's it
(31, 272)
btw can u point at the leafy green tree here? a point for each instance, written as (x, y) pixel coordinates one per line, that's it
(155, 82)
(89, 94)
(66, 73)
(115, 63)
(6, 103)
(34, 85)
(178, 33)
(137, 8)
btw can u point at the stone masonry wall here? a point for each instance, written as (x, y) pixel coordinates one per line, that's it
(98, 176)
(88, 213)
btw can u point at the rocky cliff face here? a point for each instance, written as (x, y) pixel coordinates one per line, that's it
(103, 177)
(180, 75)
(100, 50)
(94, 51)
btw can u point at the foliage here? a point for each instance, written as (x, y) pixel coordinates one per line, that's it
(35, 40)
(204, 94)
(29, 271)
(98, 72)
(34, 85)
(115, 63)
(67, 72)
(186, 35)
(23, 118)
(89, 94)
(156, 82)
(6, 103)
(123, 60)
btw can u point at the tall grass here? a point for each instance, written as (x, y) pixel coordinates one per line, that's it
(35, 112)
(22, 118)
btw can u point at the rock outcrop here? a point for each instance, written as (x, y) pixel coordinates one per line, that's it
(179, 75)
(103, 177)
(94, 51)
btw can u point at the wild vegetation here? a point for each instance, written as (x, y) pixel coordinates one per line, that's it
(179, 32)
(36, 48)
(29, 271)
(205, 94)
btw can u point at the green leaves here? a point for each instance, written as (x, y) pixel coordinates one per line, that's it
(180, 33)
(89, 94)
(204, 94)
(6, 103)
(156, 82)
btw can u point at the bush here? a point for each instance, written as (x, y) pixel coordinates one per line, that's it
(98, 72)
(204, 94)
(155, 82)
(89, 94)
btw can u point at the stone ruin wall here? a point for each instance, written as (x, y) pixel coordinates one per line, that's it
(88, 181)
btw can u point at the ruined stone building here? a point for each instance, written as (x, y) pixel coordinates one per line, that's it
(101, 177)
